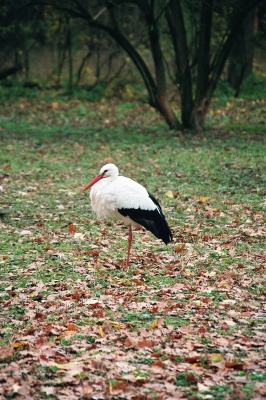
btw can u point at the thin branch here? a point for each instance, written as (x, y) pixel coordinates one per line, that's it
(161, 12)
(99, 14)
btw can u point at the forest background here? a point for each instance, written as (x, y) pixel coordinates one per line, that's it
(176, 56)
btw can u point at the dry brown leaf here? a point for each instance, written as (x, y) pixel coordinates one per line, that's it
(179, 249)
(234, 365)
(71, 228)
(6, 352)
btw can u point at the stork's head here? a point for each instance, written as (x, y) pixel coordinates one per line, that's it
(107, 171)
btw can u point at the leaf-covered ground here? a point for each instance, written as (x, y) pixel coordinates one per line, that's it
(186, 321)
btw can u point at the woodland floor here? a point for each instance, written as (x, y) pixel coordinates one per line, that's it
(186, 321)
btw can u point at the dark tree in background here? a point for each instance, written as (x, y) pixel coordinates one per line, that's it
(242, 53)
(189, 42)
(18, 33)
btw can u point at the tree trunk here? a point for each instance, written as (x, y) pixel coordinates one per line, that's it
(61, 53)
(177, 29)
(202, 102)
(162, 105)
(69, 49)
(82, 65)
(241, 58)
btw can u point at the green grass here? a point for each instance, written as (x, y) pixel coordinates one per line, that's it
(203, 294)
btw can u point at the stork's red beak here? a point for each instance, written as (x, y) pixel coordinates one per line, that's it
(96, 179)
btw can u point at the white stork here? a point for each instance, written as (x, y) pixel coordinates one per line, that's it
(117, 196)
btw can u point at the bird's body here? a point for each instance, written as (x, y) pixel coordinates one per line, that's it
(106, 200)
(120, 197)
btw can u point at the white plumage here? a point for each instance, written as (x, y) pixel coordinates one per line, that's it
(120, 197)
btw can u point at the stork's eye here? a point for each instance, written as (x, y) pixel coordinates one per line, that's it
(105, 172)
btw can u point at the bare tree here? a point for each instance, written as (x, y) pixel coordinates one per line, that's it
(188, 27)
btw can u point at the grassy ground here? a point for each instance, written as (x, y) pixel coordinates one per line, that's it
(186, 320)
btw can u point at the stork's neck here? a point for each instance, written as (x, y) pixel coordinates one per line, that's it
(110, 178)
(105, 181)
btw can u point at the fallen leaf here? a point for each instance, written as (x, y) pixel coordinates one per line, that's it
(25, 232)
(125, 367)
(15, 388)
(109, 160)
(117, 325)
(234, 365)
(232, 251)
(68, 333)
(202, 329)
(118, 386)
(170, 387)
(72, 327)
(178, 249)
(228, 302)
(225, 327)
(71, 228)
(87, 389)
(138, 282)
(170, 194)
(48, 390)
(188, 272)
(202, 388)
(192, 359)
(74, 367)
(210, 274)
(6, 352)
(145, 343)
(154, 324)
(101, 332)
(16, 345)
(203, 199)
(230, 322)
(191, 378)
(79, 236)
(216, 357)
(55, 104)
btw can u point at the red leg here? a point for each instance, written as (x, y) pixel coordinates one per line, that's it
(129, 244)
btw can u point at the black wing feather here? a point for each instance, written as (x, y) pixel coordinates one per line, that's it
(153, 220)
(156, 202)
